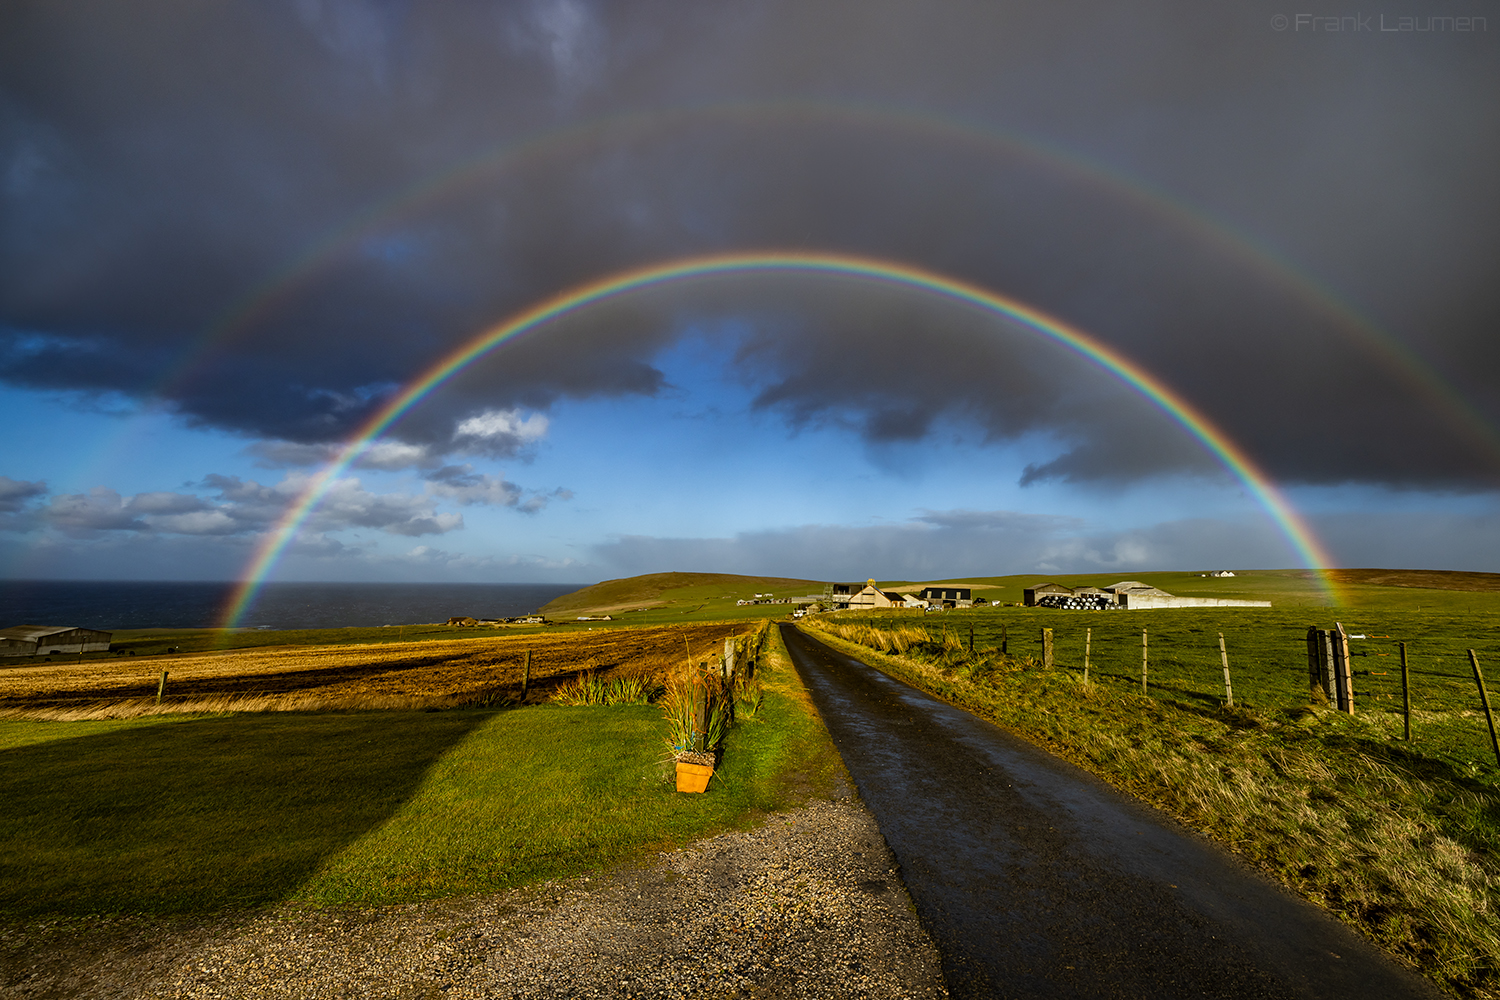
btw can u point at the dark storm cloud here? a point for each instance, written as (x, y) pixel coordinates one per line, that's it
(953, 543)
(945, 544)
(16, 494)
(158, 165)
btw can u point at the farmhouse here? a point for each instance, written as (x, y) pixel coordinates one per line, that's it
(39, 640)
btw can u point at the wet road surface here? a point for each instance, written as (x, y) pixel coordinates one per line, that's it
(1037, 879)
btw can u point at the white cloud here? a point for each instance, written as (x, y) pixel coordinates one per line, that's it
(462, 485)
(499, 432)
(385, 454)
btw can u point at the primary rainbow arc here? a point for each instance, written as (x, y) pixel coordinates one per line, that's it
(1234, 458)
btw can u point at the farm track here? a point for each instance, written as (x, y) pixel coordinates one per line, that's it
(437, 670)
(1038, 880)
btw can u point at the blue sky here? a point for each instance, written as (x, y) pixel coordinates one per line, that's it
(787, 425)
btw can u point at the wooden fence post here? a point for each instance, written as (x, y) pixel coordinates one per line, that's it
(1326, 683)
(1343, 675)
(1314, 661)
(1004, 640)
(526, 677)
(1484, 697)
(700, 716)
(1224, 655)
(1088, 640)
(1405, 694)
(1143, 661)
(971, 638)
(1047, 648)
(161, 687)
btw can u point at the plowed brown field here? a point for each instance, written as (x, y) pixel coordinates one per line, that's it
(389, 675)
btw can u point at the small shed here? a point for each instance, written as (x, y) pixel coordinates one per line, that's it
(39, 640)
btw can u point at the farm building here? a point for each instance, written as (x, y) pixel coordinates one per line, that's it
(1127, 594)
(873, 597)
(948, 596)
(39, 640)
(1030, 595)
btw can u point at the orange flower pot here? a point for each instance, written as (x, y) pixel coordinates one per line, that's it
(693, 777)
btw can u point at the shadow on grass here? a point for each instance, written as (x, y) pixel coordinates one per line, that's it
(203, 814)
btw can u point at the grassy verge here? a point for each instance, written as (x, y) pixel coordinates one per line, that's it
(1400, 844)
(195, 815)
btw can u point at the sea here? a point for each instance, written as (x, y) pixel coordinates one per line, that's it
(109, 605)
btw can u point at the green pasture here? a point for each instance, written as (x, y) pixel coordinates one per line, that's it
(1267, 659)
(201, 814)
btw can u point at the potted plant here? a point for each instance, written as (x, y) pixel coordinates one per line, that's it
(697, 716)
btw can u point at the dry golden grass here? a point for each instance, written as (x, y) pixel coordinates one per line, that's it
(436, 674)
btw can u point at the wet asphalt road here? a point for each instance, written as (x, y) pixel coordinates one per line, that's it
(1038, 880)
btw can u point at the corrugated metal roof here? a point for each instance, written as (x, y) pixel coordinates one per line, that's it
(42, 631)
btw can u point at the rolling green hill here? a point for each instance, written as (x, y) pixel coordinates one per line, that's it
(712, 595)
(659, 589)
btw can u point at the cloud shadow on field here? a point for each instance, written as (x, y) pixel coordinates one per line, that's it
(206, 814)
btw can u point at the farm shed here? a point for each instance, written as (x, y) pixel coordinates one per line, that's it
(39, 640)
(948, 596)
(1134, 588)
(1030, 594)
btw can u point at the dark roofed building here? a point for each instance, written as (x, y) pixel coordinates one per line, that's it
(1030, 594)
(39, 640)
(948, 595)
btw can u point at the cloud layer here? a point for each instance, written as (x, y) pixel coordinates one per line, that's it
(169, 184)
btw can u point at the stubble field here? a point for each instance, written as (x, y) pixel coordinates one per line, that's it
(392, 675)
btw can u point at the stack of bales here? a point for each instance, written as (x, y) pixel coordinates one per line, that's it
(1077, 602)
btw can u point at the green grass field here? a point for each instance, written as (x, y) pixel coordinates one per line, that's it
(203, 814)
(1268, 660)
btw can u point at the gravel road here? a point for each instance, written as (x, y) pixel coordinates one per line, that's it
(809, 904)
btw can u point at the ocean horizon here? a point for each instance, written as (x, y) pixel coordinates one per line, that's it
(132, 604)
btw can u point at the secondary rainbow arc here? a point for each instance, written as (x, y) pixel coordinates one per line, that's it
(294, 272)
(1230, 454)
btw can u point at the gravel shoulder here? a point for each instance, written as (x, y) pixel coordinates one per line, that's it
(807, 904)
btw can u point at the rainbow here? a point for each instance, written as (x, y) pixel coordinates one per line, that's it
(571, 300)
(282, 284)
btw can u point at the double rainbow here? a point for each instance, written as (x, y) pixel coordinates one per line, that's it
(1184, 413)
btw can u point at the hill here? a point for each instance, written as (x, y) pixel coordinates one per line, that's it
(656, 589)
(1427, 579)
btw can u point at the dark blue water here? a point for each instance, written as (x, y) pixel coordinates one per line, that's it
(107, 604)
